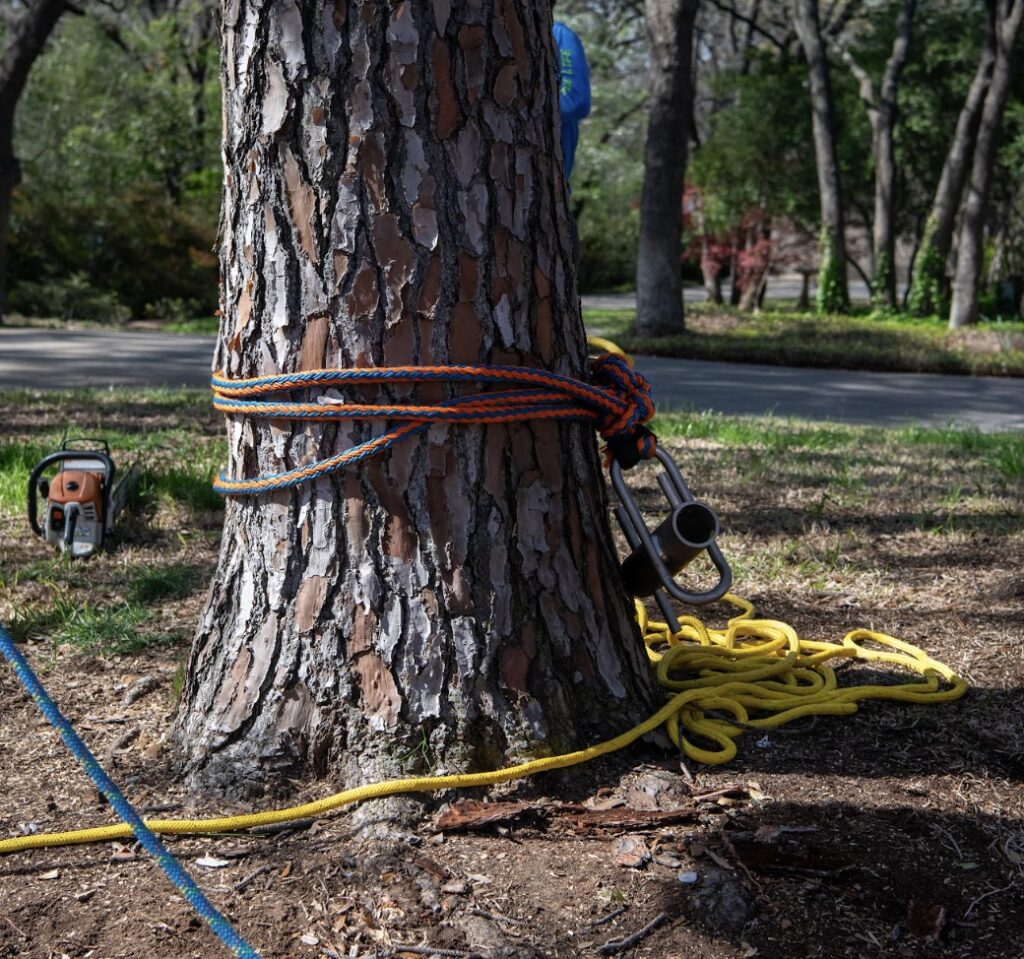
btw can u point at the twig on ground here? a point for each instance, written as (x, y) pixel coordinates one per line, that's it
(123, 741)
(434, 951)
(982, 898)
(945, 832)
(608, 918)
(281, 828)
(616, 946)
(255, 874)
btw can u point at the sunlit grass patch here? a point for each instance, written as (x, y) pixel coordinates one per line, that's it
(89, 627)
(155, 583)
(858, 341)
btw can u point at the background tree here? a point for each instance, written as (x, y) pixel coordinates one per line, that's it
(1009, 17)
(881, 103)
(659, 280)
(120, 134)
(832, 288)
(393, 195)
(25, 36)
(929, 287)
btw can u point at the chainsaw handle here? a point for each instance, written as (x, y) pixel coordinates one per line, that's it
(59, 457)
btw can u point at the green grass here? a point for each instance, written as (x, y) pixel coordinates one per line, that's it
(207, 325)
(1002, 452)
(154, 584)
(861, 341)
(90, 628)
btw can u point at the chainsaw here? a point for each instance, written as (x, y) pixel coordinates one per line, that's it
(82, 500)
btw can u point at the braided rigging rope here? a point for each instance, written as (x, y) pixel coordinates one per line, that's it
(618, 403)
(133, 823)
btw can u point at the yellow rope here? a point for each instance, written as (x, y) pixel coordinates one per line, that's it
(756, 670)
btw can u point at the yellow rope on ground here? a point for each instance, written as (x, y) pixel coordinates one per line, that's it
(756, 670)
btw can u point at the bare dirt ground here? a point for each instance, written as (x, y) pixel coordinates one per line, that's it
(895, 832)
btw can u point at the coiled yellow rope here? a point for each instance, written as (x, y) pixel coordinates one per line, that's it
(756, 670)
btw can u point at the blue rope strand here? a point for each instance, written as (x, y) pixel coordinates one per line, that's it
(119, 803)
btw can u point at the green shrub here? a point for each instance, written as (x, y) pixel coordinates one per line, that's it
(68, 298)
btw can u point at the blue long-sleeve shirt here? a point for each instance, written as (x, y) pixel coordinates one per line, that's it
(573, 90)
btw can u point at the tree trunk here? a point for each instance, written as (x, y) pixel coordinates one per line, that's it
(393, 196)
(25, 42)
(711, 268)
(970, 245)
(929, 286)
(832, 288)
(882, 112)
(659, 279)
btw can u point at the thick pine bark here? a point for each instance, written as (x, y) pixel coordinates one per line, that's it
(970, 246)
(882, 113)
(659, 279)
(929, 285)
(832, 287)
(393, 196)
(25, 42)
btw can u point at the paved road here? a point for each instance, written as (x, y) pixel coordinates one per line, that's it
(65, 358)
(782, 287)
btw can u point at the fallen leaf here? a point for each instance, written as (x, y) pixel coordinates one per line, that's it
(925, 919)
(52, 874)
(309, 939)
(209, 862)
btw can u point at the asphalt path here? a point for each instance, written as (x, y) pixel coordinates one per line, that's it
(50, 359)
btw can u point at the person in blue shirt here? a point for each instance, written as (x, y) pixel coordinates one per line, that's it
(573, 90)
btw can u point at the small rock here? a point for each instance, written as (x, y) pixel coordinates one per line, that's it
(722, 902)
(663, 859)
(688, 878)
(52, 874)
(309, 939)
(457, 888)
(631, 852)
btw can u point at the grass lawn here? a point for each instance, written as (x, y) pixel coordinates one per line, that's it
(915, 532)
(856, 342)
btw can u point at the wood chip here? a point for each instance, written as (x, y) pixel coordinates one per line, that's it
(141, 687)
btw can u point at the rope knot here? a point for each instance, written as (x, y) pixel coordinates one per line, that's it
(629, 440)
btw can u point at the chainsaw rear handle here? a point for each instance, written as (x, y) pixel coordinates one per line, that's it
(59, 457)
